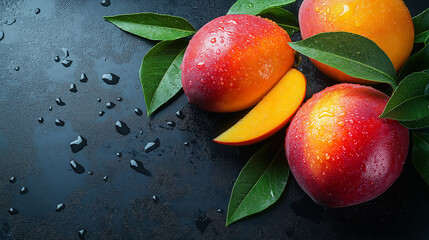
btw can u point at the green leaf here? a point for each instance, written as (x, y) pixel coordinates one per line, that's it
(283, 18)
(153, 26)
(427, 41)
(260, 183)
(160, 73)
(421, 26)
(352, 54)
(420, 154)
(421, 123)
(410, 110)
(421, 37)
(253, 7)
(416, 63)
(409, 102)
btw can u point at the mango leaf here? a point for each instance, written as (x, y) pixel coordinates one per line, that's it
(352, 54)
(421, 26)
(421, 123)
(160, 73)
(153, 26)
(412, 86)
(283, 18)
(253, 7)
(416, 63)
(420, 154)
(260, 183)
(411, 109)
(409, 101)
(427, 41)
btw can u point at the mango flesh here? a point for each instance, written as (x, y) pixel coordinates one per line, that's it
(233, 61)
(386, 22)
(339, 151)
(271, 114)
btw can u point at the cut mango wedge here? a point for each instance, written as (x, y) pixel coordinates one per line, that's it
(271, 114)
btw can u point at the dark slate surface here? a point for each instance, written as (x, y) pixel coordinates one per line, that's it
(189, 182)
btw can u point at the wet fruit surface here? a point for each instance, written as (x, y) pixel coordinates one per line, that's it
(340, 151)
(186, 178)
(233, 61)
(386, 22)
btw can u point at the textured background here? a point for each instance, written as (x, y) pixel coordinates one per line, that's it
(191, 181)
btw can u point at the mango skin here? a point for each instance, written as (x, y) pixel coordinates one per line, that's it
(271, 114)
(340, 152)
(386, 22)
(233, 61)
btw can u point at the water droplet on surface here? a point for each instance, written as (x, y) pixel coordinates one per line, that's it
(105, 3)
(59, 122)
(60, 207)
(105, 178)
(213, 40)
(10, 21)
(119, 99)
(90, 173)
(219, 210)
(202, 222)
(150, 146)
(23, 190)
(118, 154)
(50, 108)
(326, 114)
(200, 65)
(1, 35)
(171, 124)
(66, 52)
(78, 144)
(345, 9)
(218, 52)
(83, 78)
(77, 168)
(110, 105)
(57, 59)
(155, 199)
(81, 234)
(186, 143)
(100, 113)
(180, 115)
(363, 168)
(98, 99)
(73, 88)
(250, 5)
(12, 180)
(122, 128)
(17, 68)
(110, 78)
(60, 102)
(37, 11)
(138, 111)
(41, 120)
(13, 211)
(139, 167)
(66, 63)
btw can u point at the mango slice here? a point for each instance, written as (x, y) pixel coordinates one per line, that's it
(271, 114)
